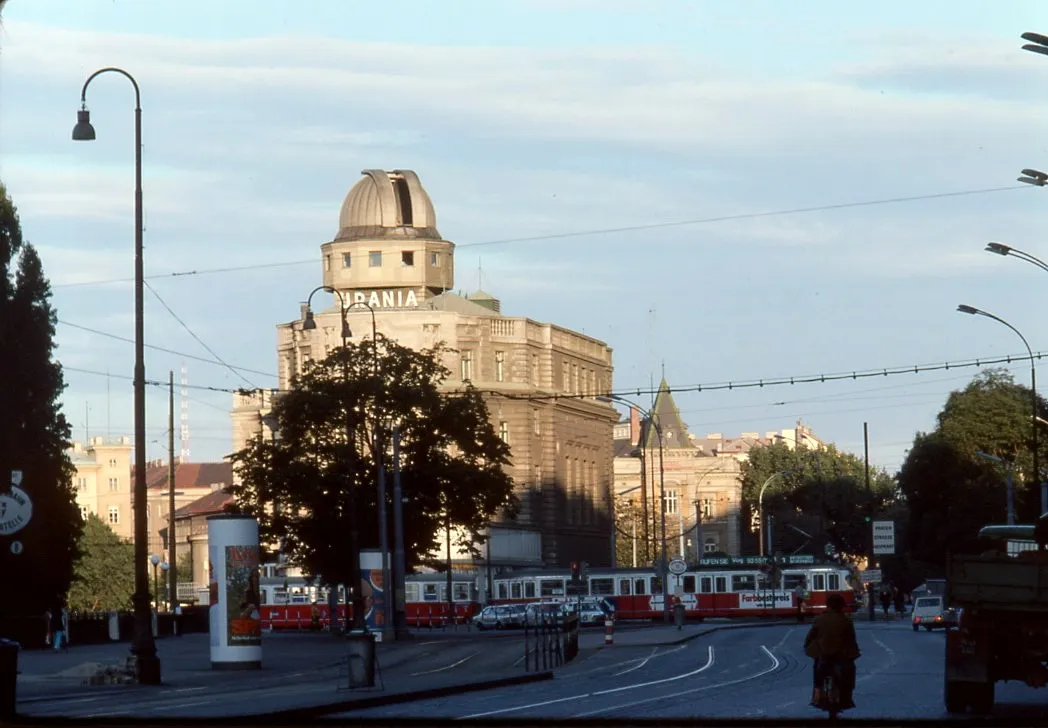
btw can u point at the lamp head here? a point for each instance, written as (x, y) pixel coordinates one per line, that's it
(967, 309)
(346, 333)
(1034, 177)
(999, 248)
(164, 566)
(154, 559)
(308, 322)
(83, 131)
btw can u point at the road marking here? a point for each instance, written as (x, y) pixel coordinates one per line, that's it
(179, 706)
(67, 701)
(107, 715)
(775, 666)
(189, 690)
(709, 663)
(784, 638)
(446, 667)
(639, 665)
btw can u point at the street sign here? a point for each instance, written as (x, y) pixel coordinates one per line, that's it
(16, 547)
(16, 509)
(678, 566)
(871, 576)
(884, 537)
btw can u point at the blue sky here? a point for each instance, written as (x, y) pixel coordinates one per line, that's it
(535, 118)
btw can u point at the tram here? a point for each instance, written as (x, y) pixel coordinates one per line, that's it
(721, 587)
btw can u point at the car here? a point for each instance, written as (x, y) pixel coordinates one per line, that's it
(931, 613)
(499, 617)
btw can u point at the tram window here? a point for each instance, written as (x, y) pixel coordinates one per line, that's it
(721, 583)
(706, 585)
(818, 582)
(443, 593)
(461, 591)
(601, 587)
(656, 585)
(551, 587)
(640, 586)
(624, 587)
(792, 581)
(503, 591)
(529, 590)
(514, 589)
(743, 582)
(764, 581)
(411, 592)
(833, 582)
(689, 584)
(430, 592)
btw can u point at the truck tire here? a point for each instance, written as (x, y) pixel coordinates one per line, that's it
(981, 697)
(954, 696)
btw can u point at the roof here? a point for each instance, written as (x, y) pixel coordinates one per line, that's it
(668, 420)
(448, 301)
(214, 502)
(387, 204)
(189, 475)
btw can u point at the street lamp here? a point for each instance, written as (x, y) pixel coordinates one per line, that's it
(1002, 249)
(143, 647)
(1038, 43)
(663, 566)
(155, 561)
(1033, 390)
(1010, 493)
(1033, 177)
(762, 529)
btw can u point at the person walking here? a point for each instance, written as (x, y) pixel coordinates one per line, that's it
(59, 627)
(47, 628)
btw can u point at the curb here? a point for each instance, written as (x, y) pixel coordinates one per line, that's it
(718, 628)
(346, 706)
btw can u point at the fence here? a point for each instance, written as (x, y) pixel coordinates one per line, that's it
(550, 641)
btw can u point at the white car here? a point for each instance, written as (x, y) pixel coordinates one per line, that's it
(930, 613)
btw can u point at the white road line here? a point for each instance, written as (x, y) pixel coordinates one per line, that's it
(709, 663)
(189, 690)
(106, 715)
(70, 701)
(775, 666)
(639, 665)
(784, 638)
(446, 667)
(165, 708)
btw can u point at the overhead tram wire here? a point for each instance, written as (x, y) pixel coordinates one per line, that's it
(694, 388)
(581, 233)
(198, 339)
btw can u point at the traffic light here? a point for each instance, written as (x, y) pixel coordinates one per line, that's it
(576, 570)
(584, 570)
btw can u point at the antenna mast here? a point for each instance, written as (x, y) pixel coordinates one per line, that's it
(184, 414)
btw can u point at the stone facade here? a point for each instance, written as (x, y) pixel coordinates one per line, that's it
(389, 261)
(103, 481)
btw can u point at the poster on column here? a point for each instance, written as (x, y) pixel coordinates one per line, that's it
(373, 589)
(243, 620)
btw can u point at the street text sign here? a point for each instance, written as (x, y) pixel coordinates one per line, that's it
(884, 537)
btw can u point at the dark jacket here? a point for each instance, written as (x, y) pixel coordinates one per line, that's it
(832, 637)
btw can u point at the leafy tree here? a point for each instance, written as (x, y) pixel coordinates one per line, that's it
(629, 533)
(952, 491)
(816, 498)
(184, 569)
(451, 458)
(104, 577)
(34, 434)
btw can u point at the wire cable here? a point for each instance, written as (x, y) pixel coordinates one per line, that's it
(198, 339)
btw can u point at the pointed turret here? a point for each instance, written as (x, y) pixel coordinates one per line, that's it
(667, 417)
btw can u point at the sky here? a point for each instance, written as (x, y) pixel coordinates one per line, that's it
(613, 167)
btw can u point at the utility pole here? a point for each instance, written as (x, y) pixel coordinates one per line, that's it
(869, 499)
(698, 531)
(172, 572)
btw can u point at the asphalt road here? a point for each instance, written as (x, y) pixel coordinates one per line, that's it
(740, 673)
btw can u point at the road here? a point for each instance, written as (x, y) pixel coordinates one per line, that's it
(739, 673)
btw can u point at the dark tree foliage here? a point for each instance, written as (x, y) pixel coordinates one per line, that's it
(818, 498)
(952, 491)
(451, 458)
(34, 434)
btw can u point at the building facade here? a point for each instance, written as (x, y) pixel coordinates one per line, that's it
(192, 482)
(102, 481)
(699, 480)
(388, 254)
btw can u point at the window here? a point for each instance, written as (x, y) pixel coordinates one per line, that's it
(81, 483)
(537, 422)
(706, 585)
(624, 587)
(407, 258)
(720, 584)
(112, 462)
(529, 590)
(792, 581)
(601, 587)
(535, 369)
(429, 592)
(500, 361)
(672, 501)
(833, 582)
(84, 511)
(743, 582)
(689, 584)
(707, 509)
(818, 582)
(347, 260)
(640, 586)
(503, 590)
(710, 546)
(514, 590)
(565, 370)
(467, 366)
(411, 592)
(460, 591)
(504, 431)
(551, 587)
(434, 260)
(327, 263)
(575, 378)
(114, 485)
(375, 258)
(114, 514)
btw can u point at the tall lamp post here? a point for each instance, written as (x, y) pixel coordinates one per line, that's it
(1035, 476)
(143, 646)
(663, 566)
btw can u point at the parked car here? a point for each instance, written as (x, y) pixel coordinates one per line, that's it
(499, 617)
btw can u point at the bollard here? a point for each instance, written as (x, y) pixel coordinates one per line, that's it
(609, 629)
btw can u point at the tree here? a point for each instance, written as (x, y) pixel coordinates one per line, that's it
(952, 491)
(816, 498)
(451, 458)
(629, 534)
(34, 433)
(104, 577)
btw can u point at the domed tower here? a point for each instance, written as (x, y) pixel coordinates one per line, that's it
(387, 249)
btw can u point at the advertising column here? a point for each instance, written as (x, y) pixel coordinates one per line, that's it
(374, 591)
(236, 626)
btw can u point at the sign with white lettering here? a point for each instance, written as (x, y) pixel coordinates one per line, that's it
(765, 600)
(871, 576)
(757, 561)
(16, 547)
(884, 537)
(396, 298)
(678, 566)
(16, 510)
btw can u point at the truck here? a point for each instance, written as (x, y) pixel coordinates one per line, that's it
(1001, 595)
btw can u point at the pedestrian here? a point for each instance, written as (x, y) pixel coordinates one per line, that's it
(178, 620)
(59, 625)
(801, 594)
(678, 612)
(886, 599)
(900, 602)
(47, 628)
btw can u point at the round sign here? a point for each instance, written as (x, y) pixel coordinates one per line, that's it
(16, 547)
(16, 510)
(677, 566)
